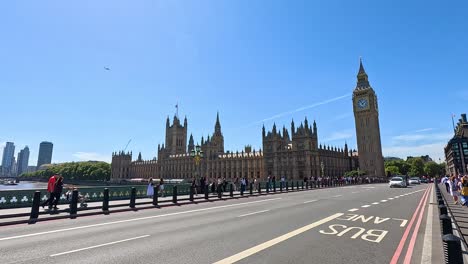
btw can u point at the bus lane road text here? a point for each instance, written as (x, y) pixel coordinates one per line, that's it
(374, 235)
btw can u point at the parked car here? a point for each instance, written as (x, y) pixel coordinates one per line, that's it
(424, 180)
(397, 182)
(414, 180)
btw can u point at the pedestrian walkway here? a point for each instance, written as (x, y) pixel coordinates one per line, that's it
(459, 213)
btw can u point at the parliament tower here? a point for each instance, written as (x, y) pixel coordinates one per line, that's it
(366, 116)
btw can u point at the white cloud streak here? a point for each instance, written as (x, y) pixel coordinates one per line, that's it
(423, 130)
(423, 137)
(340, 135)
(86, 156)
(304, 108)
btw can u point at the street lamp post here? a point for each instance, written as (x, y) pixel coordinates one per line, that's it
(322, 166)
(197, 155)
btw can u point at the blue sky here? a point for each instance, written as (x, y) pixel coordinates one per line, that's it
(254, 61)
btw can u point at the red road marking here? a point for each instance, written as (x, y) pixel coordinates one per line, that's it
(409, 252)
(399, 249)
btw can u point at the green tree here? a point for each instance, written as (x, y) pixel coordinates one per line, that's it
(432, 169)
(416, 167)
(392, 169)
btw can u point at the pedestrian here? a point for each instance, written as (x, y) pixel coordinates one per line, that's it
(58, 188)
(243, 184)
(453, 183)
(445, 180)
(194, 185)
(255, 184)
(161, 186)
(464, 190)
(213, 185)
(150, 189)
(50, 190)
(282, 181)
(220, 186)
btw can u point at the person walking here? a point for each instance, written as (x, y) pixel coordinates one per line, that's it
(255, 184)
(161, 186)
(58, 188)
(453, 183)
(243, 184)
(194, 185)
(50, 190)
(464, 190)
(150, 188)
(445, 180)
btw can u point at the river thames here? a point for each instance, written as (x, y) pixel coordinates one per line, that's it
(24, 185)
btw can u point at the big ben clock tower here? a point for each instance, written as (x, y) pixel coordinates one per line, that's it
(366, 116)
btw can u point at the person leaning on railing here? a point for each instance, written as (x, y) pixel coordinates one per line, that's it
(464, 190)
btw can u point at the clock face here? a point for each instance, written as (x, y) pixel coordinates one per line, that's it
(362, 103)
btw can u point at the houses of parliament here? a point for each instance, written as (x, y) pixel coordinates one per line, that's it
(294, 153)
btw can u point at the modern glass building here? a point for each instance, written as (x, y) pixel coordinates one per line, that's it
(45, 153)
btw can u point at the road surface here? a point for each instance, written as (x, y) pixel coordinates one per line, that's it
(355, 224)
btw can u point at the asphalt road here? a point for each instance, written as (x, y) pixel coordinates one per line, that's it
(356, 224)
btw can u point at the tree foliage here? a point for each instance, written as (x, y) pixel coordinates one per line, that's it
(74, 171)
(393, 170)
(414, 167)
(355, 173)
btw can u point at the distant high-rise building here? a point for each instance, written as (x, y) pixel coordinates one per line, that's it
(45, 153)
(7, 160)
(23, 160)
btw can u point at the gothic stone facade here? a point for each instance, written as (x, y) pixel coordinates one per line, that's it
(295, 154)
(295, 158)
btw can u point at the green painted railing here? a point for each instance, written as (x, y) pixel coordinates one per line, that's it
(23, 198)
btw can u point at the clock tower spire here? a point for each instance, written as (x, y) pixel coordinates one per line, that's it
(366, 117)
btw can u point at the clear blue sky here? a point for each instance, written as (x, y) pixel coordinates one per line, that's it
(249, 59)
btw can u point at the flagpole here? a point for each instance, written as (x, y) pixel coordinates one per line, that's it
(453, 123)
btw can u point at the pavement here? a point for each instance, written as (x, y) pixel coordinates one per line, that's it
(352, 224)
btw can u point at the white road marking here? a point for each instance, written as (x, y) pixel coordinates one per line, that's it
(137, 219)
(396, 197)
(353, 210)
(102, 245)
(365, 206)
(390, 198)
(258, 212)
(375, 203)
(337, 196)
(383, 201)
(248, 252)
(311, 201)
(427, 242)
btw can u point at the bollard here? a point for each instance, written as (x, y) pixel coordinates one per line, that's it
(133, 198)
(302, 185)
(281, 186)
(287, 186)
(206, 193)
(155, 195)
(105, 201)
(174, 194)
(267, 186)
(35, 207)
(452, 249)
(307, 185)
(259, 188)
(442, 209)
(440, 201)
(231, 190)
(446, 224)
(74, 203)
(274, 186)
(297, 185)
(220, 194)
(251, 188)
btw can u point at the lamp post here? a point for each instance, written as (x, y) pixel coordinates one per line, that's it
(322, 166)
(197, 155)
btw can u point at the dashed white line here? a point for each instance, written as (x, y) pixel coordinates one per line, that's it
(375, 203)
(337, 196)
(106, 244)
(383, 201)
(390, 198)
(258, 212)
(311, 201)
(365, 206)
(353, 210)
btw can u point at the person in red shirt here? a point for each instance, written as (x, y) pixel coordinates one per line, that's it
(50, 190)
